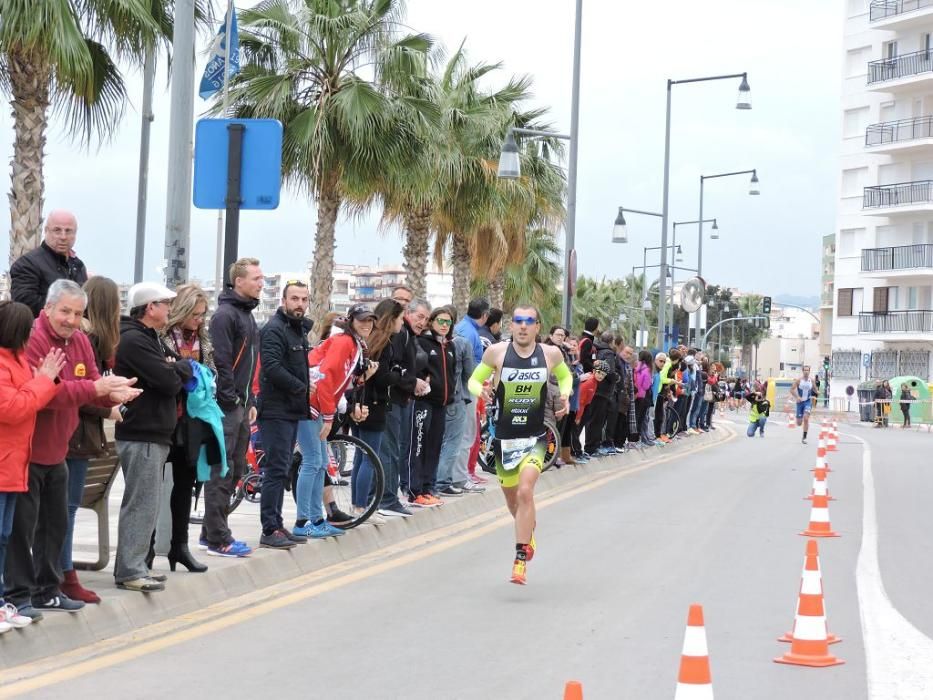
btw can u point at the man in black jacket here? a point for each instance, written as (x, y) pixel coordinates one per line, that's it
(600, 406)
(235, 339)
(587, 342)
(33, 273)
(145, 434)
(284, 399)
(396, 441)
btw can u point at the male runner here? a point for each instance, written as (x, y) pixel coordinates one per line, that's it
(519, 391)
(801, 391)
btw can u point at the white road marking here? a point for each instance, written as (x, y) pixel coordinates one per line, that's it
(898, 656)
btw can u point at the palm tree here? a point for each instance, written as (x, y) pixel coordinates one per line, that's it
(340, 76)
(60, 54)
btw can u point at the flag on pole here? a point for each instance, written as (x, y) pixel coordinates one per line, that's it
(213, 79)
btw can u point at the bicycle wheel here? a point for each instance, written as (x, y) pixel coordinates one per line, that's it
(339, 490)
(553, 445)
(485, 458)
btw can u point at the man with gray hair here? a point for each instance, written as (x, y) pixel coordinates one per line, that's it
(394, 452)
(33, 273)
(33, 568)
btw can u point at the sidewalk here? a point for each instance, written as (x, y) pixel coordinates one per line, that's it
(124, 611)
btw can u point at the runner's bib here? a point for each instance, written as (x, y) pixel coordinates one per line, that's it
(515, 450)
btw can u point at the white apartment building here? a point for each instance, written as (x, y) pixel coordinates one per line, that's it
(882, 309)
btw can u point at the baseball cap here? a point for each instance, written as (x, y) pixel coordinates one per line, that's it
(147, 292)
(601, 366)
(360, 311)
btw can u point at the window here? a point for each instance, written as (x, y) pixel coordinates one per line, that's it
(855, 122)
(857, 61)
(880, 300)
(853, 181)
(889, 49)
(844, 305)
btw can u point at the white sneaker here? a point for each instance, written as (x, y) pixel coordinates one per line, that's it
(375, 519)
(10, 615)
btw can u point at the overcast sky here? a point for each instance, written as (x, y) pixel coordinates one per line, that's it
(791, 49)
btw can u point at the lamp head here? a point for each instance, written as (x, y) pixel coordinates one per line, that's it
(753, 184)
(745, 95)
(509, 163)
(620, 229)
(715, 234)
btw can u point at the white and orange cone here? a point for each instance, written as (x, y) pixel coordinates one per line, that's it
(821, 462)
(809, 644)
(833, 439)
(819, 519)
(694, 681)
(820, 485)
(811, 580)
(573, 691)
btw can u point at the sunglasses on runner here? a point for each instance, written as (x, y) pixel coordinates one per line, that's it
(524, 320)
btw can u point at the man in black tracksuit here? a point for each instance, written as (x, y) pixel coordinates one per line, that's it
(604, 391)
(284, 399)
(235, 339)
(394, 451)
(33, 273)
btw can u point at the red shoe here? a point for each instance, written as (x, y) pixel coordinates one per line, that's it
(72, 588)
(518, 573)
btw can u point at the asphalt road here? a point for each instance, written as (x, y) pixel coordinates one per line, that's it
(608, 594)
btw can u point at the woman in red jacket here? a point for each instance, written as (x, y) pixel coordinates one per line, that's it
(24, 391)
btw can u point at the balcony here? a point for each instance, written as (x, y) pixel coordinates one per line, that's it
(898, 261)
(903, 136)
(899, 199)
(899, 14)
(901, 73)
(909, 325)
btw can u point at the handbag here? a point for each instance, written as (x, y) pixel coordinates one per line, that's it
(708, 394)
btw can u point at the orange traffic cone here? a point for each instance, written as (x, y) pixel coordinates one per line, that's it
(819, 519)
(809, 641)
(694, 681)
(811, 580)
(820, 486)
(821, 462)
(573, 691)
(833, 439)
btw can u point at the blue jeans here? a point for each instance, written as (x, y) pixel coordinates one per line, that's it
(451, 447)
(757, 425)
(7, 506)
(697, 412)
(361, 480)
(388, 455)
(77, 473)
(314, 460)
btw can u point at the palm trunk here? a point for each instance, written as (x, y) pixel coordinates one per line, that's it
(415, 251)
(29, 86)
(461, 264)
(496, 289)
(322, 269)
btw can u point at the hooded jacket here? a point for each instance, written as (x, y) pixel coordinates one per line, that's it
(643, 380)
(150, 417)
(603, 351)
(339, 359)
(56, 423)
(405, 357)
(283, 377)
(441, 369)
(33, 273)
(235, 339)
(21, 398)
(375, 394)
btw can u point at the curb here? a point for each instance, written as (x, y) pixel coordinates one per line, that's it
(122, 612)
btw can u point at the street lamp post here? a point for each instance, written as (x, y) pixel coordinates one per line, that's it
(744, 102)
(753, 189)
(510, 154)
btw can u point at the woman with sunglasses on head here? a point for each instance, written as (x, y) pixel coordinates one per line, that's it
(430, 413)
(520, 370)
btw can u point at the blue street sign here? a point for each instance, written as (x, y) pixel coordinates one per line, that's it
(261, 171)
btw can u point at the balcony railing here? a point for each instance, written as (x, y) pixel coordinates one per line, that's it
(899, 194)
(902, 257)
(899, 131)
(900, 66)
(896, 322)
(883, 9)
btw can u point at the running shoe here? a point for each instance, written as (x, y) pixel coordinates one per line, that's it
(396, 510)
(664, 439)
(235, 549)
(518, 572)
(432, 499)
(423, 501)
(10, 615)
(530, 548)
(339, 518)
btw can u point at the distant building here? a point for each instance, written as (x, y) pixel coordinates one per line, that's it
(4, 286)
(828, 275)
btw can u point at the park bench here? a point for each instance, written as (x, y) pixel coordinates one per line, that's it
(100, 476)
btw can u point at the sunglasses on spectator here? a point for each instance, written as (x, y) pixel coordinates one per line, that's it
(524, 320)
(443, 321)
